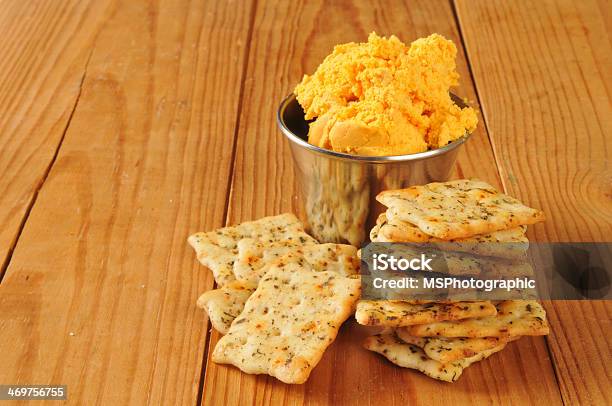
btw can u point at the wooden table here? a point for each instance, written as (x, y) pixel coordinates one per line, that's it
(127, 125)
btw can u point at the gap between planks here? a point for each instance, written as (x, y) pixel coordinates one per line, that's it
(496, 157)
(478, 100)
(45, 174)
(230, 182)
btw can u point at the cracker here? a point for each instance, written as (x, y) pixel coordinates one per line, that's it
(447, 350)
(253, 255)
(217, 249)
(223, 308)
(457, 209)
(396, 313)
(223, 305)
(511, 243)
(381, 221)
(374, 233)
(339, 258)
(513, 318)
(411, 356)
(288, 322)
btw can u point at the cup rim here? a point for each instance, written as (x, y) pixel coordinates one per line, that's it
(365, 158)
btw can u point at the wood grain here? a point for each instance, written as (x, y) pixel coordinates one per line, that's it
(281, 51)
(44, 47)
(100, 291)
(542, 71)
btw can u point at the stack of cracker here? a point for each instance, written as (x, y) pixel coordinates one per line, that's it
(441, 339)
(281, 297)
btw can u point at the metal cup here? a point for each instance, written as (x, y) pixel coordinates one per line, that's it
(339, 190)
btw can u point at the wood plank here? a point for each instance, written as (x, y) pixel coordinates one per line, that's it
(264, 184)
(542, 70)
(100, 292)
(44, 47)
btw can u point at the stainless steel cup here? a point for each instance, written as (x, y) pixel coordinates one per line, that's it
(339, 190)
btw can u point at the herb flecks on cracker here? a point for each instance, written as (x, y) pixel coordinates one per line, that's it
(225, 304)
(397, 313)
(457, 209)
(288, 322)
(513, 318)
(412, 356)
(218, 249)
(446, 350)
(254, 256)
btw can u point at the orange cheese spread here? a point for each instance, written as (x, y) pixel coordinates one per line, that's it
(382, 97)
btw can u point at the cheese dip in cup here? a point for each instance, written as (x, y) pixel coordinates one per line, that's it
(338, 190)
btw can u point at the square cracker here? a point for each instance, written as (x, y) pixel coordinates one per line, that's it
(411, 356)
(511, 243)
(223, 305)
(218, 249)
(288, 322)
(447, 350)
(457, 209)
(513, 318)
(397, 313)
(254, 255)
